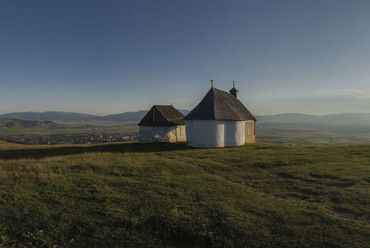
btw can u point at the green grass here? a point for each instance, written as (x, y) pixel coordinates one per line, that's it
(168, 195)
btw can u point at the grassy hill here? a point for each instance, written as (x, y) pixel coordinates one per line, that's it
(168, 195)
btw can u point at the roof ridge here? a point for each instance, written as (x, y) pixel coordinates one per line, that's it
(220, 105)
(157, 110)
(213, 102)
(164, 115)
(160, 115)
(221, 94)
(233, 107)
(160, 105)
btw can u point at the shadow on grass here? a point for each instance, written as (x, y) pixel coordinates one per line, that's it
(37, 153)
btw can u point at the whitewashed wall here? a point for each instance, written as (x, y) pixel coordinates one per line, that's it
(150, 134)
(210, 133)
(235, 133)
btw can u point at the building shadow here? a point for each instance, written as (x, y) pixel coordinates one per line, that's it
(38, 153)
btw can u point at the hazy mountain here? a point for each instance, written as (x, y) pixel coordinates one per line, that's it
(17, 124)
(125, 117)
(184, 111)
(361, 119)
(133, 116)
(348, 118)
(51, 116)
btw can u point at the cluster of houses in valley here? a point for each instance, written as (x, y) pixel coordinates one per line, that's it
(219, 120)
(85, 138)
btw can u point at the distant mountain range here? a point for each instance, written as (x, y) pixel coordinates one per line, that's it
(132, 118)
(51, 116)
(125, 118)
(6, 123)
(362, 119)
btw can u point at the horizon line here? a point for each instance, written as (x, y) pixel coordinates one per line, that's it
(131, 111)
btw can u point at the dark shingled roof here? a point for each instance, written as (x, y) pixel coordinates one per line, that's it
(162, 115)
(220, 105)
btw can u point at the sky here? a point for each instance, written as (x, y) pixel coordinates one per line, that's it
(104, 57)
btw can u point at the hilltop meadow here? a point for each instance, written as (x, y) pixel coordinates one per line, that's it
(169, 195)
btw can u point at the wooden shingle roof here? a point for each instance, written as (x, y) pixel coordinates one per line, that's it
(220, 105)
(162, 115)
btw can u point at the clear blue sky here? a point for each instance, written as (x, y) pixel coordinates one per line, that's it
(104, 57)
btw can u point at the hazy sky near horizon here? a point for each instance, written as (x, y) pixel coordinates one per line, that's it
(104, 57)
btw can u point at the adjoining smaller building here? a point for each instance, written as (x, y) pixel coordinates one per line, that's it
(163, 123)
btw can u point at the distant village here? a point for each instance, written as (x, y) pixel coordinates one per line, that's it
(93, 138)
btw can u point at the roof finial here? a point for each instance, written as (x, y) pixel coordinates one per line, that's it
(234, 91)
(212, 83)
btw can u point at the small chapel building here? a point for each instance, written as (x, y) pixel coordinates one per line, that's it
(163, 123)
(219, 120)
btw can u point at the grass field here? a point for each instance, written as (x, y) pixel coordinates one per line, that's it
(168, 195)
